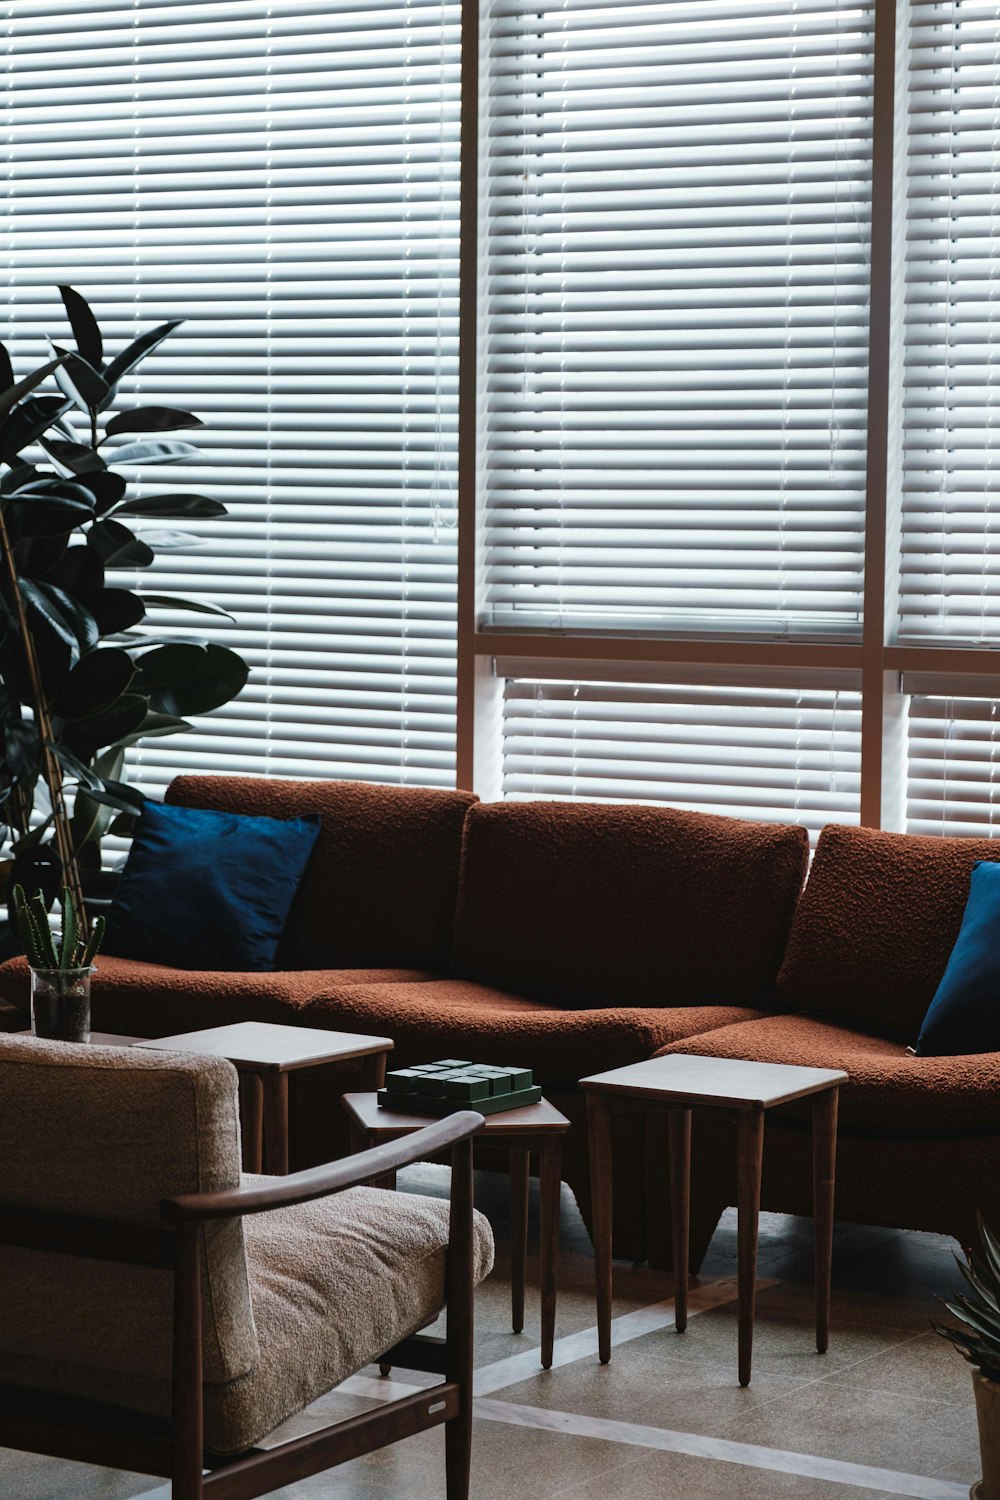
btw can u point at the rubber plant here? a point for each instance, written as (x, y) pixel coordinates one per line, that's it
(82, 674)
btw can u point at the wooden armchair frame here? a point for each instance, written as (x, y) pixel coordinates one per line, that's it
(91, 1432)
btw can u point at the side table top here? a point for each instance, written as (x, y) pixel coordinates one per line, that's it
(533, 1119)
(686, 1079)
(262, 1044)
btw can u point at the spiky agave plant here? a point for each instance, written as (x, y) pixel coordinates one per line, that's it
(77, 948)
(978, 1340)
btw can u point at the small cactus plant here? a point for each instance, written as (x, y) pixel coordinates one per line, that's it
(76, 949)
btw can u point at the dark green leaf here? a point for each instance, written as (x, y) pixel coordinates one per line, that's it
(22, 752)
(39, 597)
(123, 826)
(33, 836)
(84, 386)
(107, 488)
(6, 369)
(174, 601)
(153, 726)
(49, 514)
(114, 609)
(79, 571)
(117, 547)
(138, 350)
(170, 541)
(26, 423)
(152, 419)
(95, 684)
(155, 451)
(21, 388)
(91, 820)
(190, 679)
(75, 767)
(78, 458)
(119, 795)
(19, 475)
(79, 619)
(164, 507)
(86, 736)
(84, 325)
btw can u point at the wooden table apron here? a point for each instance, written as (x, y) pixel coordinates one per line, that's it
(520, 1143)
(749, 1159)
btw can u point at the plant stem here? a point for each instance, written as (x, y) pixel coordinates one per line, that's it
(43, 724)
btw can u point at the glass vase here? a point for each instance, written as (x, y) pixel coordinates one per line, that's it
(60, 1004)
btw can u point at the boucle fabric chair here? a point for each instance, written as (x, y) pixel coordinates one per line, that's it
(163, 1315)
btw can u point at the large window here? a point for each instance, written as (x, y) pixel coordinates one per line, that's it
(674, 430)
(285, 175)
(676, 204)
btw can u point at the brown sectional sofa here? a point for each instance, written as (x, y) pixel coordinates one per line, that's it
(572, 937)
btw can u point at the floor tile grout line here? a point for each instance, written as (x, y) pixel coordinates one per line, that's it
(724, 1450)
(695, 1445)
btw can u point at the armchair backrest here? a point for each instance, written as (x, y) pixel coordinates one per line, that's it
(112, 1131)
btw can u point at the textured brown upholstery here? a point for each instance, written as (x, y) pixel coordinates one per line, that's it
(876, 925)
(379, 890)
(141, 999)
(584, 905)
(456, 1018)
(889, 1093)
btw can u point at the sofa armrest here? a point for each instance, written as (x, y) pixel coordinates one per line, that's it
(334, 1177)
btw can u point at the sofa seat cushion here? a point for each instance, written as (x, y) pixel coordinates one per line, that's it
(380, 887)
(889, 1092)
(135, 998)
(333, 1284)
(593, 905)
(455, 1018)
(875, 927)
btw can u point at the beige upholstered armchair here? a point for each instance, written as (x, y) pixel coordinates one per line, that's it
(158, 1314)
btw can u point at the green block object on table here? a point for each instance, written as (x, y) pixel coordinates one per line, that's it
(441, 1088)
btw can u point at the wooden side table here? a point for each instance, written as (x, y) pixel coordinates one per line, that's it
(538, 1127)
(677, 1084)
(264, 1054)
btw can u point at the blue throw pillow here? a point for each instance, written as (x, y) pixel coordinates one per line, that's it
(208, 890)
(964, 1015)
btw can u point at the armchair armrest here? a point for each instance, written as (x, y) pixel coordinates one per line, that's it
(334, 1177)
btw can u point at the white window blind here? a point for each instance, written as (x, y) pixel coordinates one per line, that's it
(777, 754)
(953, 766)
(285, 174)
(675, 329)
(950, 585)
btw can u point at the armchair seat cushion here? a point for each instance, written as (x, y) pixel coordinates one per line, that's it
(457, 1018)
(889, 1092)
(333, 1285)
(136, 998)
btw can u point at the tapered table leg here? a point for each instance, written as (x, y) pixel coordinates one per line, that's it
(251, 1119)
(276, 1122)
(599, 1141)
(824, 1134)
(679, 1126)
(749, 1156)
(550, 1184)
(519, 1160)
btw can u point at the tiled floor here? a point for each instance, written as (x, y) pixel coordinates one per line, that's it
(887, 1412)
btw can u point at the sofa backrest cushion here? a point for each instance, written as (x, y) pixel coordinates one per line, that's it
(581, 904)
(875, 927)
(379, 890)
(112, 1131)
